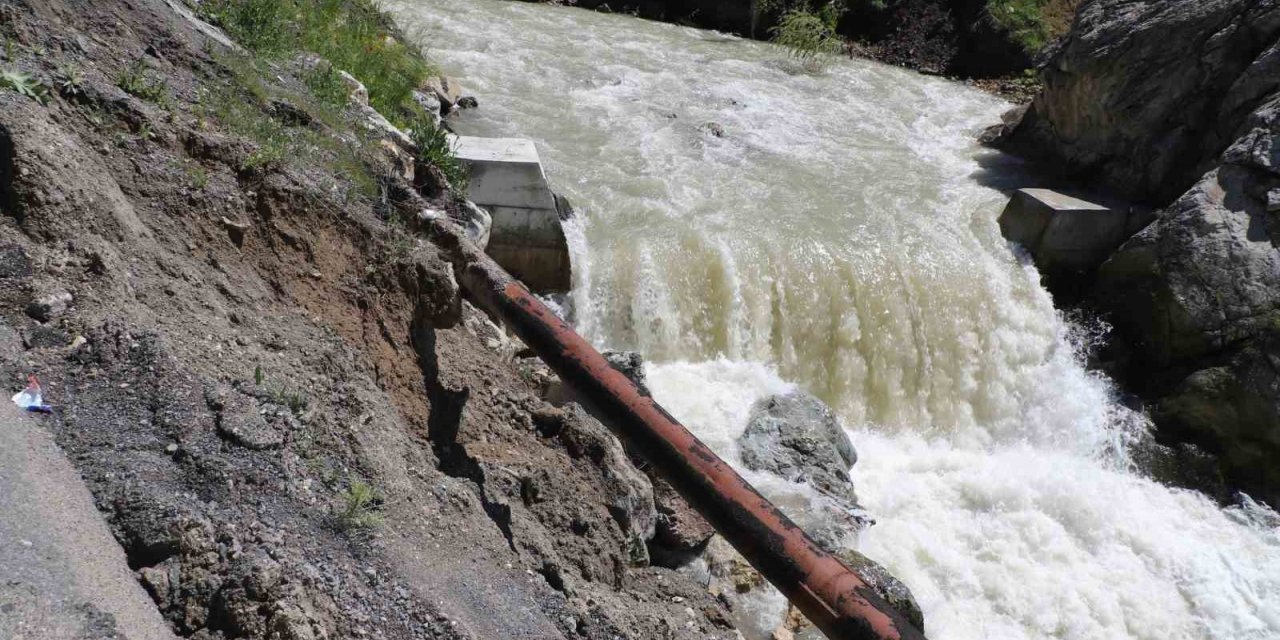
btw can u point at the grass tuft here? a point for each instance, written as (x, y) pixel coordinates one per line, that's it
(353, 35)
(435, 148)
(358, 509)
(70, 81)
(198, 174)
(327, 86)
(135, 80)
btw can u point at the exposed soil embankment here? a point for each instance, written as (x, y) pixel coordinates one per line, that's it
(290, 421)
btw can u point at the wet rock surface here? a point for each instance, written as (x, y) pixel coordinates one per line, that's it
(1143, 97)
(1179, 103)
(798, 437)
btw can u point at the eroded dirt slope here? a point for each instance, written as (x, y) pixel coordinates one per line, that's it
(237, 350)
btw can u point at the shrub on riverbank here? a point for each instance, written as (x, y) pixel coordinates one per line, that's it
(809, 36)
(1033, 24)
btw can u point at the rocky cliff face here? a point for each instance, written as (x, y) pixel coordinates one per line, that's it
(1196, 296)
(1178, 103)
(1144, 96)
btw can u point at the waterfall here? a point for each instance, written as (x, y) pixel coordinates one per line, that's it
(752, 229)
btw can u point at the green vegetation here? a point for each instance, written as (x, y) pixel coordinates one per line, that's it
(199, 176)
(434, 148)
(137, 81)
(69, 81)
(244, 104)
(353, 35)
(807, 28)
(359, 508)
(24, 84)
(810, 37)
(146, 133)
(1033, 23)
(327, 86)
(282, 395)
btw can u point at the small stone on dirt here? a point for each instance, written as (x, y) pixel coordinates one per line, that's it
(48, 307)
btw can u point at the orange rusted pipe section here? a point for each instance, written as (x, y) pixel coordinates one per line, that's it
(830, 594)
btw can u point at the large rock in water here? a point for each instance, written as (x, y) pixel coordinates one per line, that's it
(1178, 102)
(797, 437)
(1197, 298)
(1144, 96)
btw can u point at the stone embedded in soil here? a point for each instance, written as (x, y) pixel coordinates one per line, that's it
(681, 533)
(49, 306)
(14, 262)
(628, 492)
(239, 422)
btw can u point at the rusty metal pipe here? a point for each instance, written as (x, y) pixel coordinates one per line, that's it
(830, 594)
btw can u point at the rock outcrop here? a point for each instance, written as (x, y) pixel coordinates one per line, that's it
(1197, 298)
(796, 436)
(1144, 96)
(1178, 103)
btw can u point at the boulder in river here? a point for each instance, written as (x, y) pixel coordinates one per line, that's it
(797, 436)
(1179, 103)
(448, 91)
(1196, 298)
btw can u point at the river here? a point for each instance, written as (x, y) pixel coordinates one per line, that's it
(750, 228)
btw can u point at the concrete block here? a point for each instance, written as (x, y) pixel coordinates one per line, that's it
(505, 172)
(1064, 234)
(526, 237)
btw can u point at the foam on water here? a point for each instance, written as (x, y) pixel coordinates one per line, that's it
(841, 237)
(1015, 540)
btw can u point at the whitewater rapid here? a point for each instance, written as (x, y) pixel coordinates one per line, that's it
(839, 236)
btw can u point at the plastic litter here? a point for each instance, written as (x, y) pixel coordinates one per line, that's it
(31, 398)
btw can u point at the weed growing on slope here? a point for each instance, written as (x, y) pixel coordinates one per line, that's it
(435, 148)
(351, 35)
(135, 80)
(358, 510)
(70, 81)
(198, 174)
(327, 86)
(24, 84)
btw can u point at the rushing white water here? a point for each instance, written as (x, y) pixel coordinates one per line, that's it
(840, 236)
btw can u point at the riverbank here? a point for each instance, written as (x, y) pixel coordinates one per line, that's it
(292, 425)
(994, 46)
